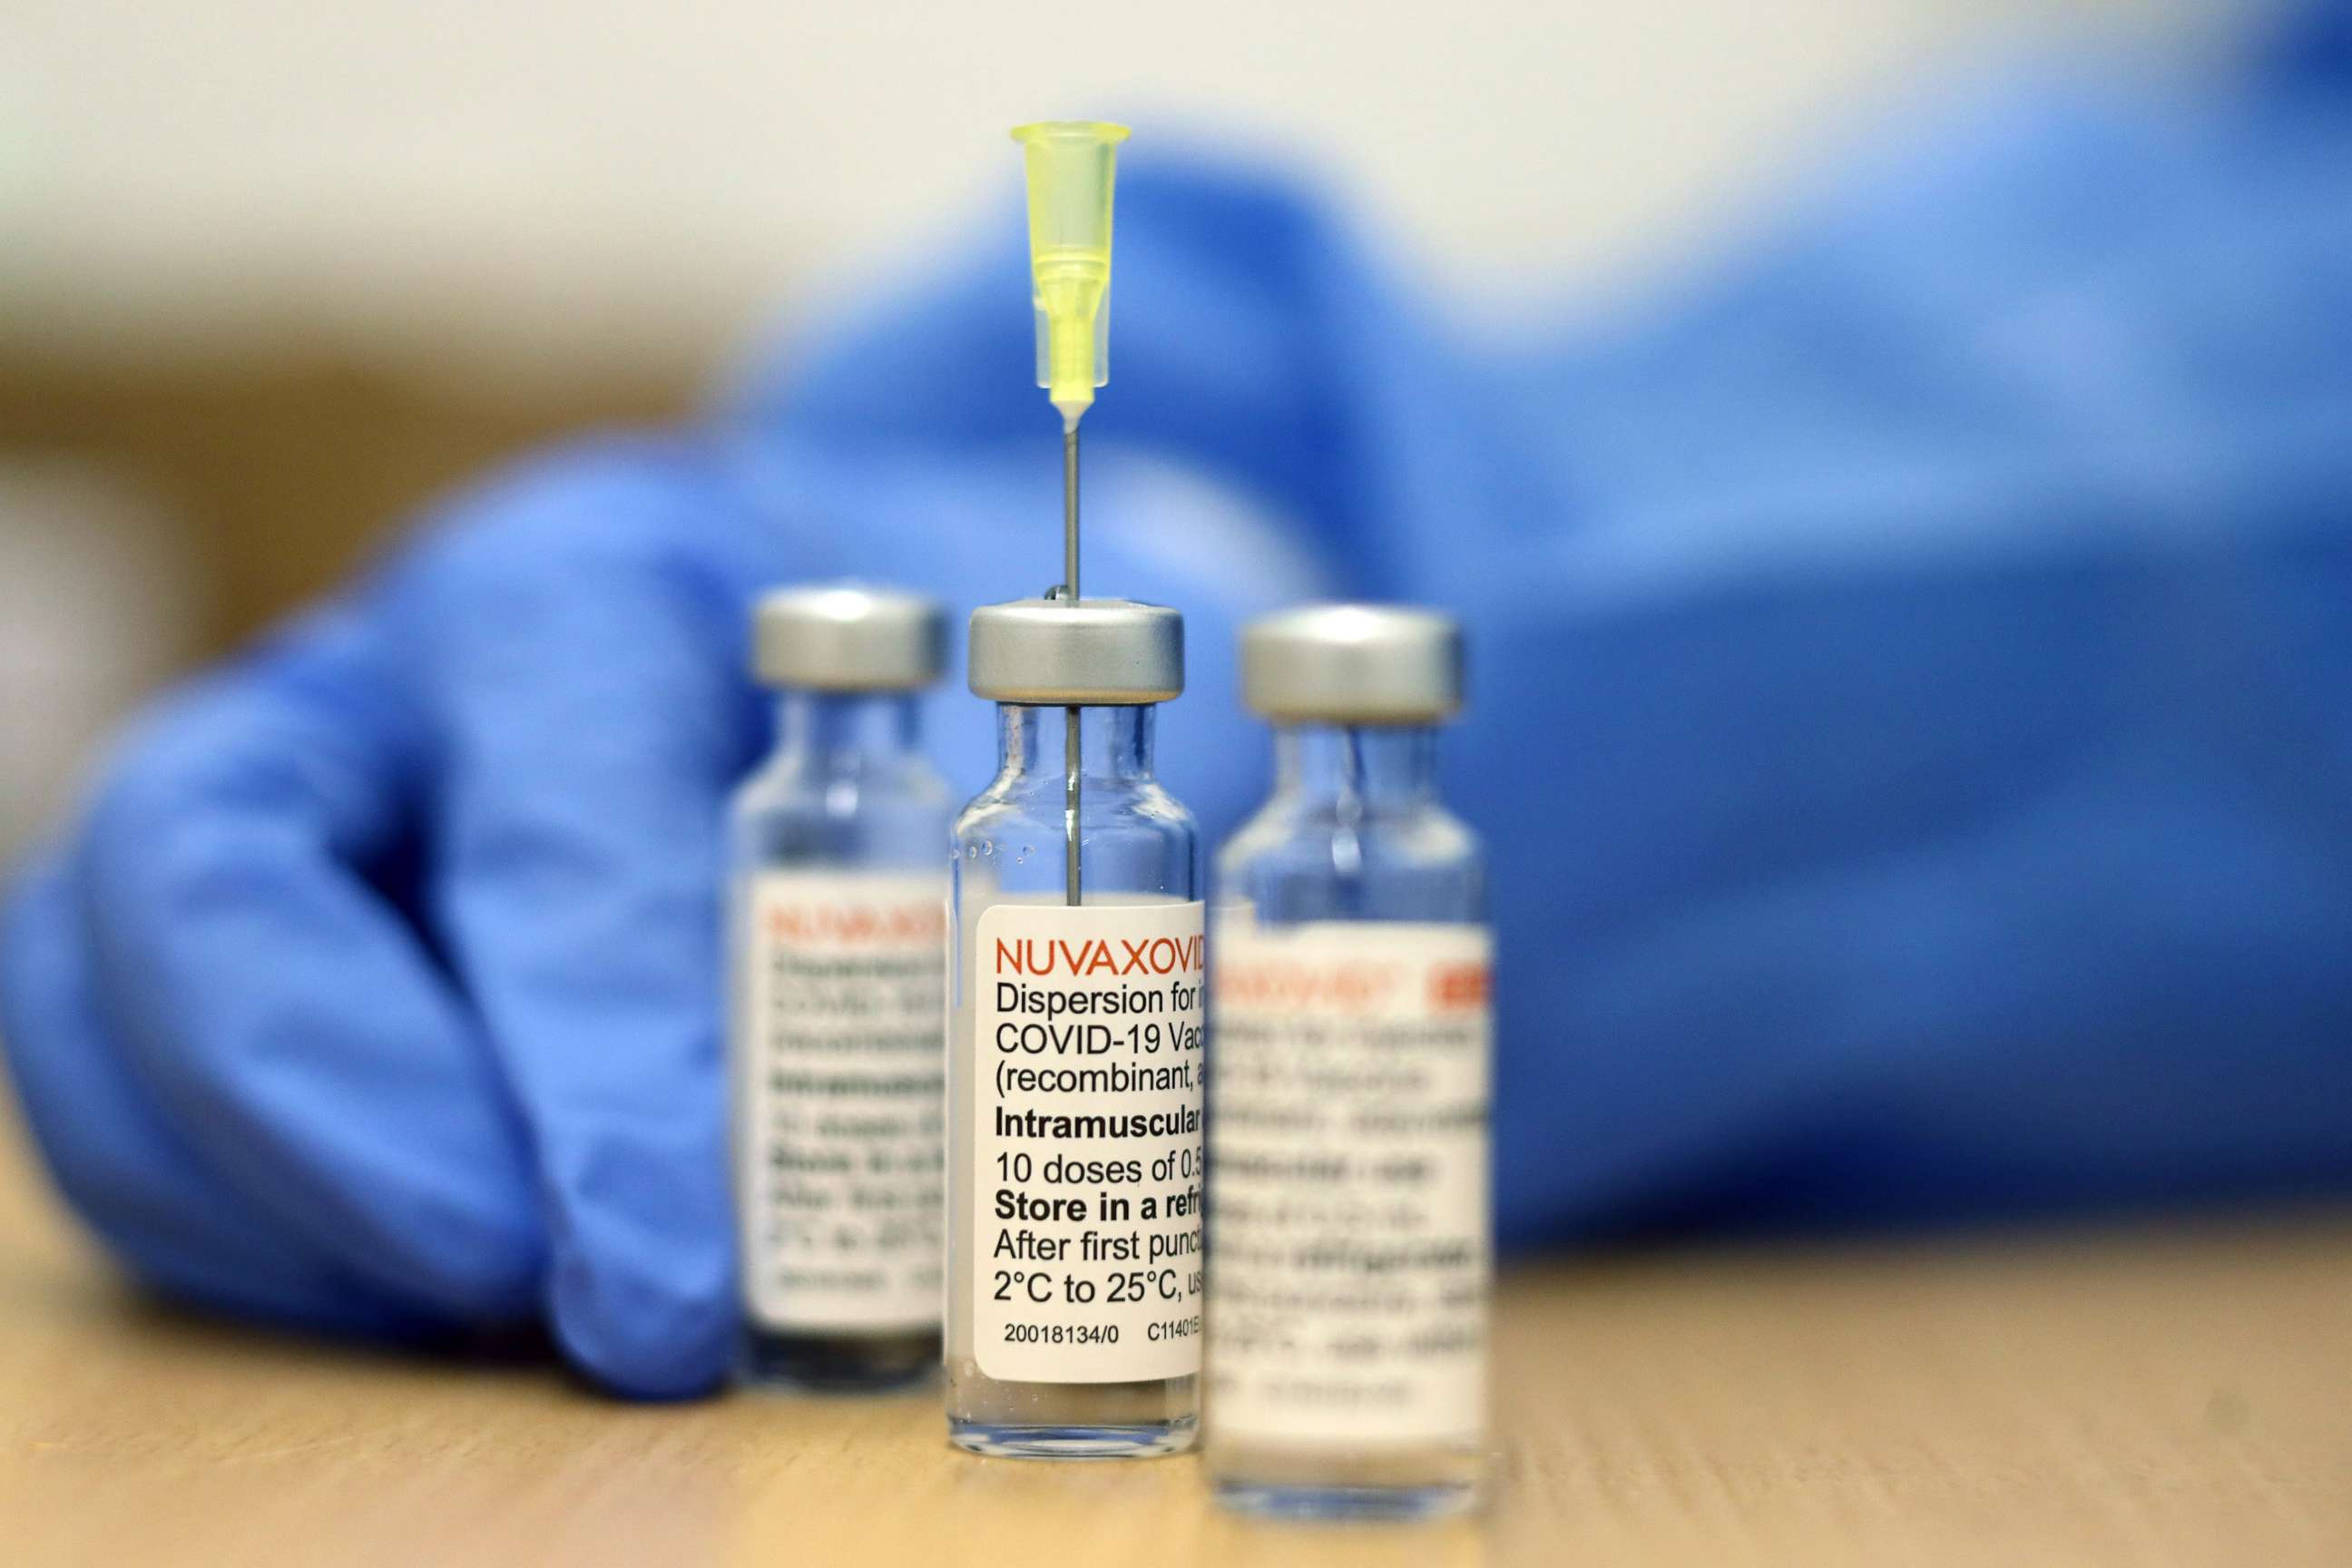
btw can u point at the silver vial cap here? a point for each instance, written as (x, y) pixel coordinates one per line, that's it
(842, 637)
(1353, 664)
(1064, 652)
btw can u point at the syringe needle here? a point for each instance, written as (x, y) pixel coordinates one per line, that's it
(1070, 509)
(1070, 167)
(1070, 715)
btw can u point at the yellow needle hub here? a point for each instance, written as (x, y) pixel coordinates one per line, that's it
(1071, 163)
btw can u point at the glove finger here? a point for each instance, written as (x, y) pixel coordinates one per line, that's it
(281, 1010)
(594, 724)
(119, 1163)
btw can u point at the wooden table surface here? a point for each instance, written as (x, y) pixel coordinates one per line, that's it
(2179, 1395)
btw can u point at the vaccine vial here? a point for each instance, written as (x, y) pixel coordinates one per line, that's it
(1074, 1079)
(838, 940)
(1350, 1215)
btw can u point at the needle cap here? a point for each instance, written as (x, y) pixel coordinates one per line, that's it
(846, 637)
(1353, 664)
(1067, 652)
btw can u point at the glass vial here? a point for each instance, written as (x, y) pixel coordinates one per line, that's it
(1074, 1079)
(1349, 1210)
(837, 939)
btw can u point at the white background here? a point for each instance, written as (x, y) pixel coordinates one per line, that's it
(580, 181)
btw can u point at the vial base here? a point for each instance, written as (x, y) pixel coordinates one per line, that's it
(1070, 1420)
(1074, 1441)
(838, 1363)
(1283, 1483)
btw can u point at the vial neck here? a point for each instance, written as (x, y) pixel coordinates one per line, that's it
(838, 730)
(1357, 766)
(1114, 743)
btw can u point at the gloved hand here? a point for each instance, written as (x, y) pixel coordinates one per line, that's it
(1908, 680)
(376, 987)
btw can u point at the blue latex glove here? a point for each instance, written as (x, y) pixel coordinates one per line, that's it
(1912, 725)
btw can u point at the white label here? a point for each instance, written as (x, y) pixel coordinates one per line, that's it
(841, 1063)
(1349, 1291)
(1086, 1102)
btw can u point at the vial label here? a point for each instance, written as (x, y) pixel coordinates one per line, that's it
(1352, 1251)
(1086, 1132)
(842, 1064)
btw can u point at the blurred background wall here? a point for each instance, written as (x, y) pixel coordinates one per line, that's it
(272, 273)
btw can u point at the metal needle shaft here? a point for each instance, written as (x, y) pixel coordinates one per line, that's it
(1070, 758)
